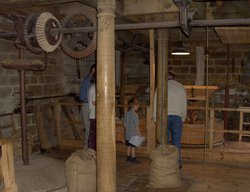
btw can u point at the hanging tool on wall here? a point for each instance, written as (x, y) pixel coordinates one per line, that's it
(22, 64)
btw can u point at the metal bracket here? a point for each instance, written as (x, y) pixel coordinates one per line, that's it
(185, 17)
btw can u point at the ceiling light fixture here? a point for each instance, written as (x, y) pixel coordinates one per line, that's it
(180, 50)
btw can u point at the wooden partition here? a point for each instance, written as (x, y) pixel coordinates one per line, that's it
(69, 125)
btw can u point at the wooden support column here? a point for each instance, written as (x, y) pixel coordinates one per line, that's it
(226, 99)
(150, 124)
(123, 77)
(162, 79)
(105, 113)
(7, 166)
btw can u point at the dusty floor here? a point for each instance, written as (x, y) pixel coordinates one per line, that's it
(46, 174)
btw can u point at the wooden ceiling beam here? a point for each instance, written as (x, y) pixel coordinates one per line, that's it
(132, 7)
(22, 4)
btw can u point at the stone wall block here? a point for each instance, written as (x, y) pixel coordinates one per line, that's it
(189, 63)
(14, 80)
(181, 69)
(211, 70)
(11, 72)
(34, 79)
(49, 90)
(4, 80)
(38, 73)
(217, 55)
(176, 62)
(29, 119)
(37, 90)
(50, 80)
(41, 80)
(6, 105)
(52, 61)
(5, 92)
(193, 70)
(221, 69)
(60, 89)
(49, 70)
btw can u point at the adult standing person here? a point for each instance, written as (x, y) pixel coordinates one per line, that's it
(177, 112)
(92, 114)
(85, 85)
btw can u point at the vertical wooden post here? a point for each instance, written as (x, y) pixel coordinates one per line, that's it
(58, 109)
(25, 150)
(211, 130)
(162, 79)
(123, 79)
(226, 102)
(241, 119)
(150, 121)
(105, 113)
(7, 166)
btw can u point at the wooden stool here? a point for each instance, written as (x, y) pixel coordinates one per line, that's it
(7, 166)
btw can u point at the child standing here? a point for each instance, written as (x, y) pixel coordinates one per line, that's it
(131, 123)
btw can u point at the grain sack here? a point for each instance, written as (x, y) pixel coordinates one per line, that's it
(81, 171)
(164, 170)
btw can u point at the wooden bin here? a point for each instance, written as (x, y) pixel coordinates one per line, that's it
(194, 134)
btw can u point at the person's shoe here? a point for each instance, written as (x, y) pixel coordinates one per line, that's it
(135, 161)
(129, 158)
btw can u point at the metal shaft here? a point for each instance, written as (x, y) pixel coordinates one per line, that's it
(150, 25)
(168, 24)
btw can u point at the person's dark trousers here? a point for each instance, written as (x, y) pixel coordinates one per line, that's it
(174, 132)
(92, 135)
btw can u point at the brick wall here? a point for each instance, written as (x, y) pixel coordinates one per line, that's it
(185, 66)
(58, 78)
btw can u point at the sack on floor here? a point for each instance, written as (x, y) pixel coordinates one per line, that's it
(136, 140)
(164, 170)
(81, 171)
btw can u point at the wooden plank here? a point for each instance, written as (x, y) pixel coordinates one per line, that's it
(58, 122)
(7, 166)
(69, 143)
(151, 139)
(211, 135)
(132, 7)
(230, 35)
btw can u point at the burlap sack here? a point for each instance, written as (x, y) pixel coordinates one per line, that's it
(164, 170)
(81, 171)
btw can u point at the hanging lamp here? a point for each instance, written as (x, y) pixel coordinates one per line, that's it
(180, 50)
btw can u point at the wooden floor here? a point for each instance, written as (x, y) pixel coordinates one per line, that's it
(196, 177)
(215, 174)
(219, 173)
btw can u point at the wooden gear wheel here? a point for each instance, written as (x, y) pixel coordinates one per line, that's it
(47, 41)
(79, 45)
(29, 34)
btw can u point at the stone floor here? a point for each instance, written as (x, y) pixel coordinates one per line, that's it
(46, 174)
